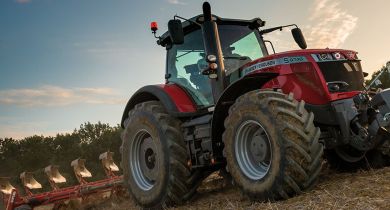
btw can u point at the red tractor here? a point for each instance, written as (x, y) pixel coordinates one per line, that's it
(266, 119)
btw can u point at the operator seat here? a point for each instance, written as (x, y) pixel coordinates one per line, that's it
(200, 82)
(186, 85)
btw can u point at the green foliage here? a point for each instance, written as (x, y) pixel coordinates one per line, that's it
(384, 78)
(34, 153)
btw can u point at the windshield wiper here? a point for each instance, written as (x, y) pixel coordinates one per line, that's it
(236, 57)
(269, 30)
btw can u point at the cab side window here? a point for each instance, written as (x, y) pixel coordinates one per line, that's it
(185, 63)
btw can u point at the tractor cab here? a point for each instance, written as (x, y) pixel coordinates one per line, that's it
(241, 42)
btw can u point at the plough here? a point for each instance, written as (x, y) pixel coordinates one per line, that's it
(58, 197)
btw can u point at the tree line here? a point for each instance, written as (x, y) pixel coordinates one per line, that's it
(34, 153)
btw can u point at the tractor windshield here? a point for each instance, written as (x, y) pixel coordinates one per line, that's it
(240, 45)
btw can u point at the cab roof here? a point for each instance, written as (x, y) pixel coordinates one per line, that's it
(189, 26)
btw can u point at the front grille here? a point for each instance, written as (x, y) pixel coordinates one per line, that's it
(346, 71)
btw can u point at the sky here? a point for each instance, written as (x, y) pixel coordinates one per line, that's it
(66, 62)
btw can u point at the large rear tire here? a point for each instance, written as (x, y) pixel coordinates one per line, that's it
(23, 207)
(382, 156)
(347, 159)
(378, 157)
(154, 157)
(271, 145)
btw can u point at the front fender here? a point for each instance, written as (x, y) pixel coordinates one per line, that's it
(173, 97)
(248, 83)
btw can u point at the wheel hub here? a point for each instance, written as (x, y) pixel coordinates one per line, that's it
(150, 156)
(253, 149)
(148, 159)
(144, 160)
(258, 148)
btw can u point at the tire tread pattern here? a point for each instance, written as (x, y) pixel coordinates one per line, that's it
(303, 151)
(177, 186)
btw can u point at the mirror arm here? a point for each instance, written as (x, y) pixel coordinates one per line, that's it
(267, 41)
(157, 37)
(177, 16)
(269, 30)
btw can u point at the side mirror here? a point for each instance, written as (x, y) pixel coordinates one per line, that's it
(175, 30)
(299, 38)
(365, 74)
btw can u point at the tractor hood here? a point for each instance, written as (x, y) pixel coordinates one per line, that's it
(331, 74)
(276, 61)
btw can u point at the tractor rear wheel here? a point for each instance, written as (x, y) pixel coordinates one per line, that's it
(154, 157)
(381, 157)
(378, 157)
(23, 207)
(347, 159)
(271, 145)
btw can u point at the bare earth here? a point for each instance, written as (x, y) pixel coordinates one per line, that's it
(360, 190)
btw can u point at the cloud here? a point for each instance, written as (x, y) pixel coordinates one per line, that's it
(178, 2)
(330, 25)
(23, 1)
(49, 96)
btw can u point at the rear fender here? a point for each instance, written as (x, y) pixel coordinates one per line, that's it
(381, 101)
(175, 100)
(238, 88)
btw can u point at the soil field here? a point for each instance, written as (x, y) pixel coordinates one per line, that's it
(360, 190)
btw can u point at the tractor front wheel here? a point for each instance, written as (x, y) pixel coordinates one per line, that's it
(271, 145)
(154, 157)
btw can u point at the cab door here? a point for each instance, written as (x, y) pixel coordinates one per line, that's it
(185, 63)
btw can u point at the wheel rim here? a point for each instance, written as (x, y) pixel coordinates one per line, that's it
(144, 162)
(253, 150)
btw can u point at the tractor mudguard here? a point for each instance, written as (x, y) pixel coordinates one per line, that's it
(174, 98)
(248, 83)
